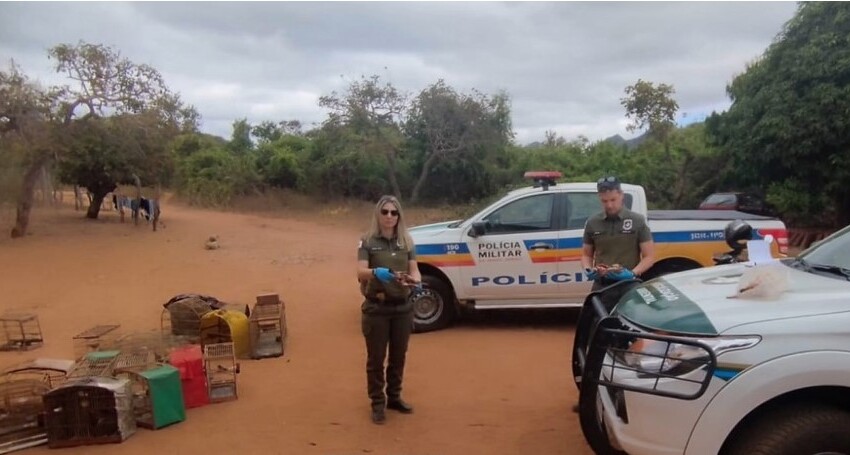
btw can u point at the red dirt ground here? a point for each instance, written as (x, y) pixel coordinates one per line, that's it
(497, 384)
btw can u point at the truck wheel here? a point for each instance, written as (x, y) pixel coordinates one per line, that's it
(434, 308)
(804, 429)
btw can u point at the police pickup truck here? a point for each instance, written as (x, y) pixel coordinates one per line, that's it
(524, 251)
(699, 363)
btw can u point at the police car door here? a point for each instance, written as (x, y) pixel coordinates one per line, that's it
(515, 255)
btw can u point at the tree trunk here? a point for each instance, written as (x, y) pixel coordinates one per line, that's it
(94, 207)
(423, 176)
(26, 198)
(392, 172)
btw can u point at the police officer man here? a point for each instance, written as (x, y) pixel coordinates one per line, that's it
(617, 242)
(387, 271)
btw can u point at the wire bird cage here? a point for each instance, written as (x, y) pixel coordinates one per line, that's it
(92, 339)
(21, 331)
(154, 341)
(89, 411)
(22, 387)
(157, 396)
(221, 369)
(94, 364)
(182, 314)
(267, 327)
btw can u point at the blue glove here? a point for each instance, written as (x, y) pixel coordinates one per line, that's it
(621, 275)
(591, 274)
(383, 274)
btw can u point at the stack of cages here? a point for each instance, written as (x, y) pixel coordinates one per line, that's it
(221, 369)
(89, 410)
(94, 339)
(268, 327)
(20, 332)
(22, 388)
(155, 389)
(181, 315)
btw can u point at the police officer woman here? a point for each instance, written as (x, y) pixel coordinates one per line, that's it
(387, 271)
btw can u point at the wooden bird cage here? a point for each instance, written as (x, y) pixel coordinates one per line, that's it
(157, 396)
(267, 327)
(21, 408)
(20, 331)
(223, 326)
(133, 361)
(49, 371)
(89, 411)
(93, 338)
(22, 387)
(94, 364)
(221, 369)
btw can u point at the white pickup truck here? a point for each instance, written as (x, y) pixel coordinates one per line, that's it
(737, 359)
(524, 251)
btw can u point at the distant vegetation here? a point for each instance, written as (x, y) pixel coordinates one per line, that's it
(785, 136)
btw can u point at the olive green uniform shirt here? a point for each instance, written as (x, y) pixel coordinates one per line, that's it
(616, 239)
(382, 252)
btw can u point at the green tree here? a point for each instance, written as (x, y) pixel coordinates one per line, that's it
(786, 129)
(650, 106)
(374, 111)
(453, 126)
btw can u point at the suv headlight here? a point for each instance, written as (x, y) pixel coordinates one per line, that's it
(653, 357)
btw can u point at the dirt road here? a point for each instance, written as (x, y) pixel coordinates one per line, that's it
(499, 384)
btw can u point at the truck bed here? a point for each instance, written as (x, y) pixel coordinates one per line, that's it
(703, 215)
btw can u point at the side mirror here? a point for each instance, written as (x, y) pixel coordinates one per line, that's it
(479, 228)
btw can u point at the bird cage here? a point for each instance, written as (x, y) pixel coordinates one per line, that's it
(22, 387)
(133, 361)
(222, 326)
(50, 371)
(267, 327)
(98, 363)
(189, 360)
(92, 410)
(157, 396)
(20, 410)
(93, 338)
(221, 369)
(20, 331)
(182, 314)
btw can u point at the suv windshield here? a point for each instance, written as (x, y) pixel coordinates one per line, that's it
(831, 256)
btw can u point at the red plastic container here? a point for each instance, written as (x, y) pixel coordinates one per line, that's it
(190, 362)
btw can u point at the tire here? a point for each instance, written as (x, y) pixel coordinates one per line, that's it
(802, 429)
(433, 309)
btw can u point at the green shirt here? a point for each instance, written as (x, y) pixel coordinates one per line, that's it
(383, 252)
(616, 239)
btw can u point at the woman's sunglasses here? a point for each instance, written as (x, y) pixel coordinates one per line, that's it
(389, 212)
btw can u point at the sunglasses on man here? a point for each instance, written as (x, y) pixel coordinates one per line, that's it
(389, 212)
(608, 183)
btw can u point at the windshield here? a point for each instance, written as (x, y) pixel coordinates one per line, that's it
(832, 252)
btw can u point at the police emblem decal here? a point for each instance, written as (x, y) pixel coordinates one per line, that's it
(627, 224)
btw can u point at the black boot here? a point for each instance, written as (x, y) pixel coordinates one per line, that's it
(399, 405)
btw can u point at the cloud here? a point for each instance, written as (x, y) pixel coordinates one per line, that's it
(564, 65)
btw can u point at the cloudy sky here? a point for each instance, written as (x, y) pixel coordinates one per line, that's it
(564, 64)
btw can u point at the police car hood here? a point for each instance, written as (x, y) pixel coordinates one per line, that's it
(430, 230)
(698, 301)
